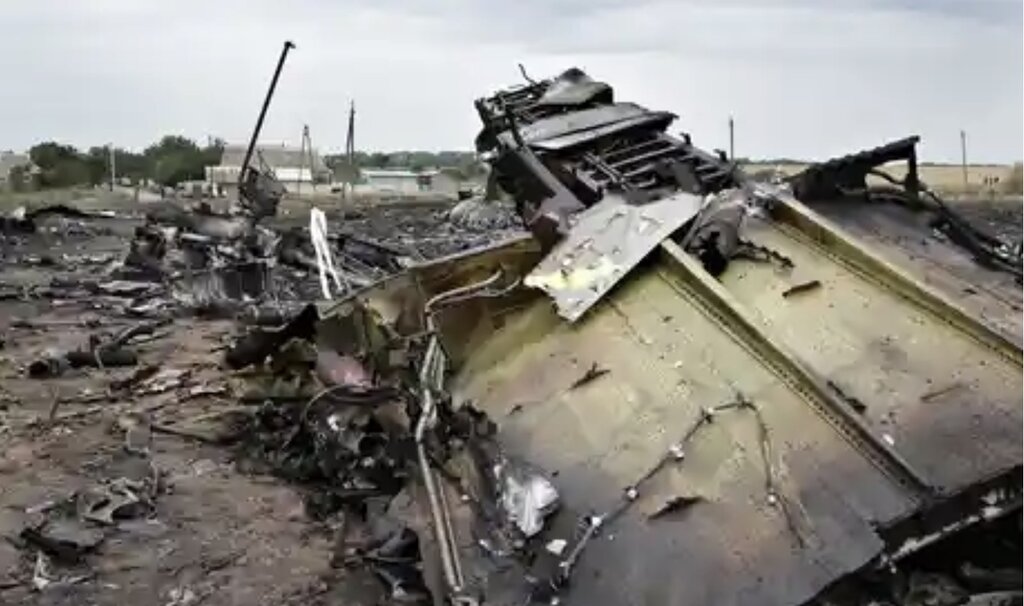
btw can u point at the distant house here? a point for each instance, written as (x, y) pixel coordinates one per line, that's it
(297, 171)
(9, 161)
(400, 182)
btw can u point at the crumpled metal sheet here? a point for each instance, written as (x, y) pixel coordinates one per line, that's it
(564, 124)
(560, 142)
(605, 243)
(574, 87)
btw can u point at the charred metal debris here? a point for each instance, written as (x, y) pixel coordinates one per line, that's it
(348, 382)
(600, 184)
(356, 410)
(846, 178)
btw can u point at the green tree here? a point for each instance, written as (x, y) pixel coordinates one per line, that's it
(59, 165)
(175, 159)
(378, 160)
(96, 161)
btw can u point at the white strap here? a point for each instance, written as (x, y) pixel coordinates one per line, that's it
(324, 260)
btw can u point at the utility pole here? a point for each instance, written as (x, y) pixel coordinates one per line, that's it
(350, 148)
(732, 141)
(113, 167)
(302, 159)
(307, 153)
(963, 156)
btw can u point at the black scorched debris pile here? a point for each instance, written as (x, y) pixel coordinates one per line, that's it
(198, 260)
(980, 566)
(357, 415)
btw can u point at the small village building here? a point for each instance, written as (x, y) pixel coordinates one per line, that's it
(296, 169)
(403, 182)
(8, 162)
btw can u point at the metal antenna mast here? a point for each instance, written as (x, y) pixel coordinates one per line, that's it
(263, 112)
(350, 148)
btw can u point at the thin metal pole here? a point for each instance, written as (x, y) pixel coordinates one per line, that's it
(963, 156)
(302, 160)
(113, 168)
(263, 111)
(350, 150)
(732, 149)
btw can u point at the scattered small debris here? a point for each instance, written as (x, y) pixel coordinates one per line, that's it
(350, 403)
(942, 391)
(44, 577)
(556, 546)
(592, 373)
(65, 540)
(801, 288)
(138, 433)
(675, 506)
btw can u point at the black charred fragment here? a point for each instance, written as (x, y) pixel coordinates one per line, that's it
(66, 541)
(674, 507)
(594, 372)
(855, 403)
(259, 343)
(845, 177)
(801, 288)
(840, 176)
(762, 254)
(561, 145)
(26, 222)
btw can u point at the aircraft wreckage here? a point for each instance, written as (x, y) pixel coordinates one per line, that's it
(687, 387)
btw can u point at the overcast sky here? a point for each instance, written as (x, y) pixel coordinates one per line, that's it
(803, 78)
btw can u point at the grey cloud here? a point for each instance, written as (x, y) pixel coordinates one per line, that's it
(803, 78)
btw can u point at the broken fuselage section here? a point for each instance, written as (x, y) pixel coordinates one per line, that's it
(601, 182)
(749, 428)
(562, 145)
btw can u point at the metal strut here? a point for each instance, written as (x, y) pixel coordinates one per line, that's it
(432, 371)
(288, 45)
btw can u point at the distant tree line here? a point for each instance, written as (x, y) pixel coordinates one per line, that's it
(175, 159)
(168, 162)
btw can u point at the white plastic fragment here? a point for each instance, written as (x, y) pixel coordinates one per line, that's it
(324, 260)
(526, 496)
(556, 546)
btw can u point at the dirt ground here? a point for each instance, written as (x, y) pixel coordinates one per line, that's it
(215, 535)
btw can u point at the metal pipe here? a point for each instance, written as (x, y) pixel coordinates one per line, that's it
(288, 45)
(431, 378)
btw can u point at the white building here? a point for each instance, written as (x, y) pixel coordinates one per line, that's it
(297, 171)
(9, 161)
(399, 182)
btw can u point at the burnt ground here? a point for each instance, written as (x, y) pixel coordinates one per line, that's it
(213, 534)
